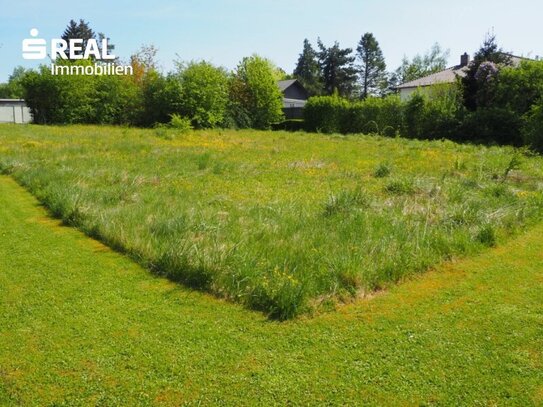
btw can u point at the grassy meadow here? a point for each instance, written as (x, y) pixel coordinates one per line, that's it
(280, 222)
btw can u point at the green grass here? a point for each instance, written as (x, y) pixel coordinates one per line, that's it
(83, 325)
(280, 222)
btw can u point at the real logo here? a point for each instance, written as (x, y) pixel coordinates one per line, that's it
(73, 50)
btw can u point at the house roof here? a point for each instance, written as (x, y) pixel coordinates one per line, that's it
(448, 75)
(286, 84)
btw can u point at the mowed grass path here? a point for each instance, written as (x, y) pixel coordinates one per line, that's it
(82, 325)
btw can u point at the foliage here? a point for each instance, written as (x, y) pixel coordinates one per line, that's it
(432, 61)
(81, 99)
(332, 114)
(372, 69)
(255, 98)
(337, 69)
(13, 89)
(477, 85)
(181, 124)
(519, 88)
(374, 116)
(532, 128)
(435, 115)
(307, 70)
(204, 94)
(325, 114)
(493, 125)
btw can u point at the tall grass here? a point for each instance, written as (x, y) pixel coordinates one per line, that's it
(280, 222)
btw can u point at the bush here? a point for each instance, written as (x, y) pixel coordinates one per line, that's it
(414, 116)
(325, 114)
(332, 114)
(255, 99)
(374, 115)
(162, 97)
(493, 125)
(182, 124)
(383, 170)
(532, 127)
(436, 115)
(204, 89)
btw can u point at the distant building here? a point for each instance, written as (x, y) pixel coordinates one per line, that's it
(447, 76)
(14, 111)
(294, 98)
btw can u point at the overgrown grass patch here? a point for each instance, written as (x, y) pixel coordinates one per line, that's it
(275, 220)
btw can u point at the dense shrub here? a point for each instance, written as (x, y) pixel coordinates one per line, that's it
(435, 115)
(532, 129)
(374, 115)
(161, 97)
(204, 90)
(519, 88)
(66, 99)
(492, 125)
(255, 99)
(414, 116)
(332, 114)
(325, 114)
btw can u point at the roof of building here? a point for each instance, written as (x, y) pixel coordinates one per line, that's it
(286, 84)
(448, 75)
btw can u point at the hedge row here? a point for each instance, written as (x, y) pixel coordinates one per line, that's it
(423, 117)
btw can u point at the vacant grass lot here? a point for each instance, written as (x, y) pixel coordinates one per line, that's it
(81, 325)
(280, 222)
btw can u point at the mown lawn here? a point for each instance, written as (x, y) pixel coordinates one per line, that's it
(83, 325)
(281, 222)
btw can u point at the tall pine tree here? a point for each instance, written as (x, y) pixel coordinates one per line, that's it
(372, 69)
(338, 71)
(79, 30)
(308, 71)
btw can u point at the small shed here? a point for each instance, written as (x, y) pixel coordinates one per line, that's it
(294, 98)
(14, 111)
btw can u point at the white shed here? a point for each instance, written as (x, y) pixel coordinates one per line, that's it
(14, 111)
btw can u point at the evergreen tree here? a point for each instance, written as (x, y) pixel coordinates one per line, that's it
(491, 53)
(308, 71)
(372, 72)
(79, 30)
(338, 71)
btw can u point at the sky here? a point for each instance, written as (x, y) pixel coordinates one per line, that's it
(223, 32)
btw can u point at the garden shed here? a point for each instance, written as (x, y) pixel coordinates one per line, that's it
(14, 111)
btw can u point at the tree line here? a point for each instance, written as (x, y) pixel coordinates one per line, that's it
(361, 73)
(495, 101)
(204, 94)
(352, 92)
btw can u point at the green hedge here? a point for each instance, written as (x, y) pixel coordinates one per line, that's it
(325, 114)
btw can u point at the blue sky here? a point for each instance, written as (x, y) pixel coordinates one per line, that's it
(225, 31)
